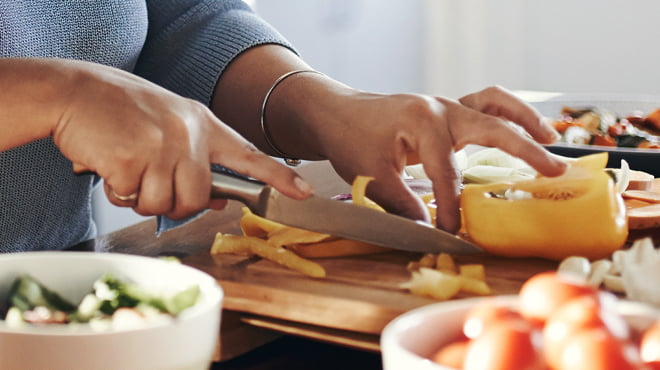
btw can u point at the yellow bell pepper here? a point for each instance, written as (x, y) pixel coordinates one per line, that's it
(578, 213)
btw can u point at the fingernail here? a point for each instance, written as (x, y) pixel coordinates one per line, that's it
(561, 164)
(302, 185)
(555, 135)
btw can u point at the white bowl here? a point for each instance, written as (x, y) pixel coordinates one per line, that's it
(409, 340)
(187, 343)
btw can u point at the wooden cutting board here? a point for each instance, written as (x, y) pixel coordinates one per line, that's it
(359, 294)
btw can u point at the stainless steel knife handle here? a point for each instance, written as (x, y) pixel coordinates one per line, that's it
(227, 184)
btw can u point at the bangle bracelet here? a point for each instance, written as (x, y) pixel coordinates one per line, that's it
(290, 161)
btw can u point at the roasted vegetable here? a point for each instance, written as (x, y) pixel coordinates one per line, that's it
(593, 126)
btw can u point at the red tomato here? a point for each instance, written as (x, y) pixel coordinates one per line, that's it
(485, 313)
(597, 349)
(505, 345)
(653, 365)
(653, 119)
(602, 140)
(650, 343)
(562, 125)
(543, 293)
(452, 355)
(616, 129)
(582, 312)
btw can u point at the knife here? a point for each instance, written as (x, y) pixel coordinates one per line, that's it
(337, 218)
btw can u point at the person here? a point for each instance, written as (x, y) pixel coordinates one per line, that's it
(146, 94)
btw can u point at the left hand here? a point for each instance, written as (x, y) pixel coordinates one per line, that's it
(376, 135)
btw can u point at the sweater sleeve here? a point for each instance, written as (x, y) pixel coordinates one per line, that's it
(190, 43)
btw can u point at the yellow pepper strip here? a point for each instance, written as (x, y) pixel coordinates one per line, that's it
(474, 286)
(433, 283)
(257, 226)
(576, 214)
(429, 201)
(435, 276)
(289, 235)
(358, 190)
(473, 270)
(445, 262)
(287, 258)
(227, 243)
(249, 245)
(335, 248)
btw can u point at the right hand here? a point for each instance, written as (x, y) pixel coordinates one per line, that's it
(376, 135)
(143, 139)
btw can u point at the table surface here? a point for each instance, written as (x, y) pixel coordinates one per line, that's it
(243, 345)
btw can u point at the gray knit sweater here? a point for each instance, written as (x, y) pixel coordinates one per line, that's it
(183, 45)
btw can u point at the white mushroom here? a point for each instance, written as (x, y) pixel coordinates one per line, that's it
(599, 269)
(577, 266)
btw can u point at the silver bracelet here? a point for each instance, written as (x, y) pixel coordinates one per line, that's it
(290, 161)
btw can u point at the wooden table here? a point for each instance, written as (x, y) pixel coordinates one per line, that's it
(274, 318)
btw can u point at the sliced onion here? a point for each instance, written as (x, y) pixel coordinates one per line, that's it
(623, 178)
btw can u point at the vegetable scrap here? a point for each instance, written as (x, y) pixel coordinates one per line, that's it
(250, 245)
(437, 276)
(293, 247)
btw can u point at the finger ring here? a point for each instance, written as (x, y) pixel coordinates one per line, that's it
(132, 196)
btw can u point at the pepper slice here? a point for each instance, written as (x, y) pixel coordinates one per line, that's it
(578, 213)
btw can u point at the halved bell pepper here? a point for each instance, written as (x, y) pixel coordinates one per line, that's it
(578, 213)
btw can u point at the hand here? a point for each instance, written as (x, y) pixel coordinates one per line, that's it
(153, 148)
(376, 135)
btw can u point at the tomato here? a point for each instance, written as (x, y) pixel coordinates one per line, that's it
(653, 119)
(543, 293)
(597, 349)
(486, 313)
(580, 313)
(562, 125)
(452, 355)
(505, 345)
(560, 323)
(602, 140)
(616, 129)
(653, 365)
(650, 343)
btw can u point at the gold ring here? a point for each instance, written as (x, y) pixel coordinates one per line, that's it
(125, 197)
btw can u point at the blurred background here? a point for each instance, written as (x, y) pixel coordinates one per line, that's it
(454, 47)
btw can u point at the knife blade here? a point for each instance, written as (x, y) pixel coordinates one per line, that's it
(337, 218)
